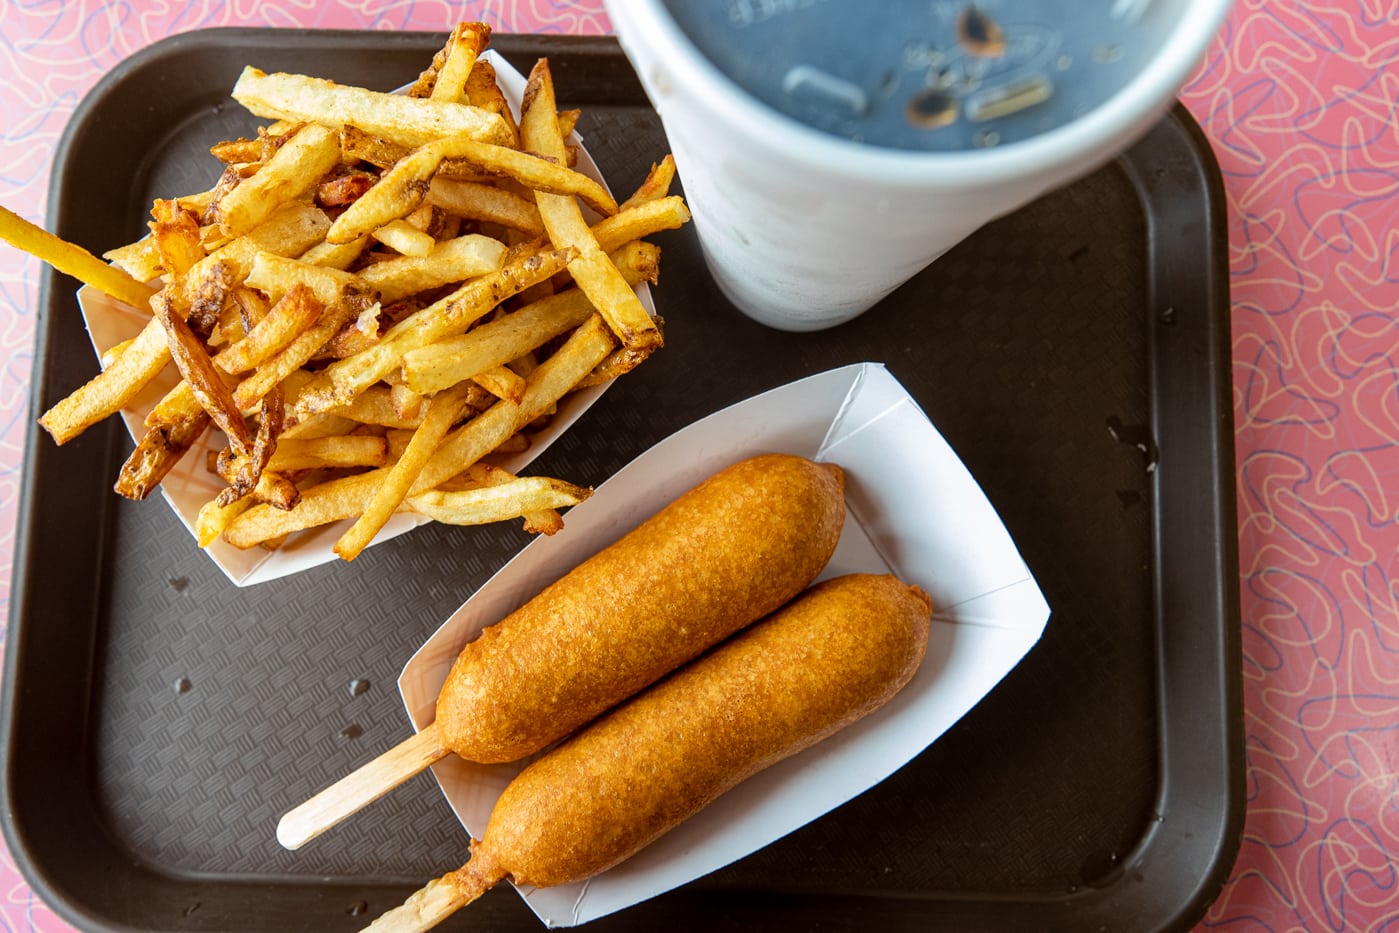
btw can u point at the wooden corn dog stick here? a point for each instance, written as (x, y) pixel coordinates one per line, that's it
(833, 655)
(360, 788)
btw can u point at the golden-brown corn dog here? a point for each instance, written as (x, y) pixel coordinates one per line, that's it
(724, 554)
(830, 657)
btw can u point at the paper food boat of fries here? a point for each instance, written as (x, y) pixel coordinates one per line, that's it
(189, 484)
(912, 509)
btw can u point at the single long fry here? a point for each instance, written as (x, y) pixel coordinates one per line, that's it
(297, 310)
(406, 120)
(177, 238)
(489, 203)
(442, 411)
(467, 42)
(656, 185)
(315, 453)
(592, 270)
(543, 521)
(514, 498)
(405, 238)
(549, 382)
(454, 260)
(331, 501)
(160, 448)
(403, 187)
(194, 365)
(296, 167)
(276, 275)
(251, 390)
(108, 391)
(501, 382)
(375, 405)
(454, 359)
(639, 221)
(73, 260)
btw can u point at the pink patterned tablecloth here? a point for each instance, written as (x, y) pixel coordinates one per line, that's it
(1299, 101)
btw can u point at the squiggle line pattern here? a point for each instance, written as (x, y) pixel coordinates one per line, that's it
(1299, 100)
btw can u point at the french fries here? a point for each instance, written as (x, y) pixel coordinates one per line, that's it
(382, 295)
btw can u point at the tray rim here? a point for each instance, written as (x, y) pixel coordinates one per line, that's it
(1191, 171)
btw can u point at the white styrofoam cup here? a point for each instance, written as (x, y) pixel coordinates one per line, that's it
(804, 230)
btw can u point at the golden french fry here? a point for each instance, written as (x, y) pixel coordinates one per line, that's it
(406, 120)
(114, 351)
(159, 449)
(592, 270)
(335, 255)
(213, 518)
(73, 260)
(406, 402)
(619, 363)
(292, 172)
(513, 498)
(501, 382)
(331, 501)
(295, 355)
(483, 91)
(467, 42)
(358, 146)
(640, 220)
(537, 522)
(404, 186)
(106, 393)
(442, 411)
(344, 189)
(346, 378)
(403, 237)
(376, 405)
(489, 203)
(206, 382)
(288, 319)
(237, 150)
(455, 359)
(335, 452)
(550, 381)
(319, 426)
(656, 185)
(276, 275)
(453, 260)
(140, 260)
(177, 238)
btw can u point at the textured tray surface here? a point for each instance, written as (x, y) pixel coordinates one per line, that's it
(210, 710)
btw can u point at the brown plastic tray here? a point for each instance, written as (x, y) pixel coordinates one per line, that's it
(158, 720)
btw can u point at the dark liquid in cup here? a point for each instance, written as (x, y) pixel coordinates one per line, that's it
(928, 74)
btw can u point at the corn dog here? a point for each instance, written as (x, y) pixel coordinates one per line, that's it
(832, 656)
(722, 555)
(727, 552)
